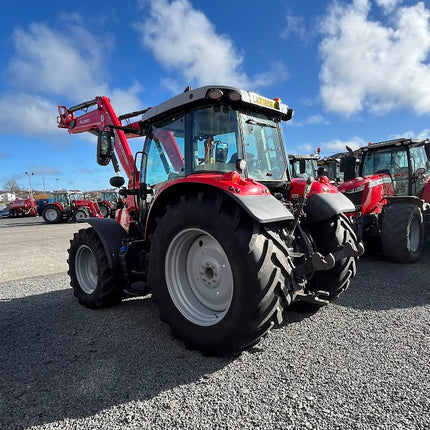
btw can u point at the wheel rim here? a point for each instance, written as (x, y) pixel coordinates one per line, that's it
(51, 214)
(414, 234)
(86, 269)
(199, 277)
(80, 215)
(103, 210)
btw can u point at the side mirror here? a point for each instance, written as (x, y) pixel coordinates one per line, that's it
(105, 143)
(421, 171)
(117, 181)
(302, 165)
(349, 167)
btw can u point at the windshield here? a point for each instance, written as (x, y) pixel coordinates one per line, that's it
(263, 147)
(384, 160)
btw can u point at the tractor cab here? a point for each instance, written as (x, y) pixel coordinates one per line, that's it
(303, 166)
(222, 138)
(404, 160)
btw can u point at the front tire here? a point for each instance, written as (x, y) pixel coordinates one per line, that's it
(219, 280)
(330, 235)
(402, 233)
(94, 283)
(105, 210)
(81, 214)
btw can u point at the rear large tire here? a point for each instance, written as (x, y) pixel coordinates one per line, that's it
(219, 280)
(52, 214)
(94, 283)
(402, 233)
(330, 235)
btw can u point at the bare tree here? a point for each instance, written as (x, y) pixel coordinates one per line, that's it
(11, 186)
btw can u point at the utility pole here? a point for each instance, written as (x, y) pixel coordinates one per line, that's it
(30, 174)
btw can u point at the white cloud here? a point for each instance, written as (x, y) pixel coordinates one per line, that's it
(50, 67)
(388, 5)
(294, 26)
(423, 134)
(312, 120)
(190, 47)
(338, 145)
(367, 65)
(30, 115)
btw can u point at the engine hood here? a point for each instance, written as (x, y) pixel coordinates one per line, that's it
(359, 184)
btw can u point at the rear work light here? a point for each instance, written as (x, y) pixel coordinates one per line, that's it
(215, 94)
(234, 96)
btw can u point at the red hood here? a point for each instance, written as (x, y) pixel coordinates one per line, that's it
(358, 184)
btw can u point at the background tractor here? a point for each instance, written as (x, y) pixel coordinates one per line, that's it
(67, 206)
(303, 166)
(391, 196)
(210, 222)
(108, 203)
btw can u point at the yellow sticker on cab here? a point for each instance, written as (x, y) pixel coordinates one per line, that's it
(255, 98)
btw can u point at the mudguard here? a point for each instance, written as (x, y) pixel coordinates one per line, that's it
(264, 208)
(325, 205)
(111, 234)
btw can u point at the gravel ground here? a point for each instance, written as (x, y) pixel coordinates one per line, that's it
(360, 363)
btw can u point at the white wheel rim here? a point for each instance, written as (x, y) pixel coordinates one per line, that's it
(51, 214)
(199, 277)
(80, 215)
(86, 269)
(103, 210)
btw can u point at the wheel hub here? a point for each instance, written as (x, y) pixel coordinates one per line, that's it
(199, 277)
(210, 273)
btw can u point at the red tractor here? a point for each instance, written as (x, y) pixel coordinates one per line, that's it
(23, 207)
(66, 206)
(391, 197)
(303, 166)
(210, 223)
(108, 203)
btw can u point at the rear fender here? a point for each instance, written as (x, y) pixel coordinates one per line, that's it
(111, 235)
(325, 205)
(264, 208)
(57, 205)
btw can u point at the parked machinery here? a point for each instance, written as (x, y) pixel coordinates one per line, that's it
(108, 203)
(391, 196)
(211, 221)
(69, 205)
(23, 207)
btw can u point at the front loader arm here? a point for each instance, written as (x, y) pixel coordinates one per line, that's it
(94, 121)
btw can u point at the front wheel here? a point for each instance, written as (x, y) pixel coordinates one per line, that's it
(402, 233)
(329, 236)
(105, 210)
(219, 280)
(81, 214)
(94, 283)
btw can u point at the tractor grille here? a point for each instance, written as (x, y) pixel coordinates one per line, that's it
(355, 197)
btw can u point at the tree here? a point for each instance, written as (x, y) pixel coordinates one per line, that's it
(11, 186)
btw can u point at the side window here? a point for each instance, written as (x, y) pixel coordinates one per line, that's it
(164, 150)
(215, 140)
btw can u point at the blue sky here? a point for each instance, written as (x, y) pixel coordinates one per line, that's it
(354, 71)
